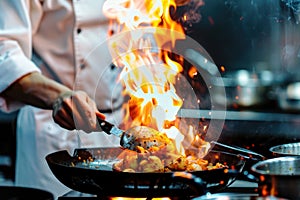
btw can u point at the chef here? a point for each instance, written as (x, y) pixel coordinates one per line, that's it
(55, 68)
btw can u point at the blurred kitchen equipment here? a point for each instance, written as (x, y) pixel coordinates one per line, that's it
(279, 176)
(289, 97)
(290, 149)
(244, 88)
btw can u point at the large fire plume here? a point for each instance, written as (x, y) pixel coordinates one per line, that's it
(148, 72)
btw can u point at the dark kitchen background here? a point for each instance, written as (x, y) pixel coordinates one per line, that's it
(256, 46)
(250, 34)
(258, 40)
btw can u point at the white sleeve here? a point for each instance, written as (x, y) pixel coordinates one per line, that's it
(15, 47)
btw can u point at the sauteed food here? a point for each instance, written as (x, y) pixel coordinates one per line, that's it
(162, 159)
(156, 152)
(135, 162)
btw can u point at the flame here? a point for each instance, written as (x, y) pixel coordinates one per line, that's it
(148, 81)
(148, 73)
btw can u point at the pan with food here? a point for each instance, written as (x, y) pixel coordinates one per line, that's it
(93, 170)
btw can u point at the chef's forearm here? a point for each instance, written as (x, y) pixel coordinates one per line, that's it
(36, 90)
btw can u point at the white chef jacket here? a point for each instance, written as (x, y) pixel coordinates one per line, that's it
(64, 40)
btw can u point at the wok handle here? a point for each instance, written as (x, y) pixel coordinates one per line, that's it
(239, 150)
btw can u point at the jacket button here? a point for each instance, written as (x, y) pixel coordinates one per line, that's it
(82, 64)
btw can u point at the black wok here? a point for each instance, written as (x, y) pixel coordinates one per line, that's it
(98, 176)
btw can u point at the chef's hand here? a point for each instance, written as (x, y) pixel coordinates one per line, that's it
(76, 110)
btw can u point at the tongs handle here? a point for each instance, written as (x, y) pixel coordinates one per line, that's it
(109, 128)
(239, 150)
(105, 125)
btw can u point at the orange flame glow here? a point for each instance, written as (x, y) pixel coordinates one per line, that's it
(148, 73)
(148, 80)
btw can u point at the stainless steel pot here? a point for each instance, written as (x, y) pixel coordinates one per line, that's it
(291, 149)
(244, 88)
(289, 97)
(279, 176)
